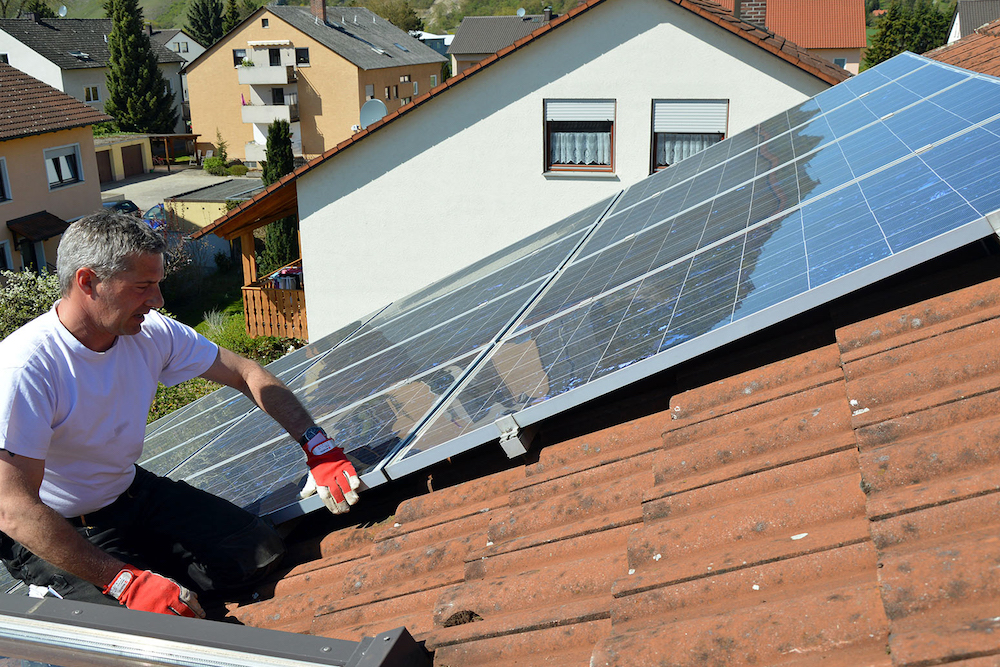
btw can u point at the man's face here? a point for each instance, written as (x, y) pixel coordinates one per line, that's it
(123, 300)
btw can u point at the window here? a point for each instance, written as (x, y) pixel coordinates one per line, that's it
(369, 92)
(63, 165)
(4, 183)
(301, 56)
(6, 261)
(274, 57)
(263, 23)
(175, 46)
(239, 55)
(91, 94)
(406, 100)
(579, 135)
(387, 93)
(434, 80)
(4, 59)
(840, 62)
(395, 92)
(404, 78)
(415, 93)
(682, 128)
(182, 47)
(278, 96)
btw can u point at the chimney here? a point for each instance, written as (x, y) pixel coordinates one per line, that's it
(33, 16)
(754, 11)
(547, 14)
(149, 29)
(318, 8)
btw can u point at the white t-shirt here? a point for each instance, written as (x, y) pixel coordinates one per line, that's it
(84, 412)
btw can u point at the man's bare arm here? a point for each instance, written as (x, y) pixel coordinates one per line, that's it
(46, 534)
(263, 388)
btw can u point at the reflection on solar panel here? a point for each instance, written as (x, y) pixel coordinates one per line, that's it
(862, 181)
(873, 176)
(373, 389)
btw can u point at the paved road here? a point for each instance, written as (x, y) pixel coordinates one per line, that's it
(147, 190)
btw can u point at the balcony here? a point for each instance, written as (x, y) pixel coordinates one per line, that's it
(268, 113)
(263, 75)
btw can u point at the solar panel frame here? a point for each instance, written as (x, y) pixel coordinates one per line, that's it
(913, 253)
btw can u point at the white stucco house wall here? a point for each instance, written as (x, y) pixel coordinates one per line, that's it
(464, 171)
(71, 55)
(183, 45)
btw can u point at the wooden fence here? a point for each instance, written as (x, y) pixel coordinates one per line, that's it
(275, 312)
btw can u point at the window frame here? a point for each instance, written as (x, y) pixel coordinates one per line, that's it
(265, 23)
(56, 152)
(586, 106)
(369, 91)
(238, 59)
(5, 58)
(88, 97)
(416, 89)
(302, 56)
(183, 47)
(842, 64)
(710, 125)
(6, 254)
(434, 80)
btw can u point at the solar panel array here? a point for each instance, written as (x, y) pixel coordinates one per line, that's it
(873, 176)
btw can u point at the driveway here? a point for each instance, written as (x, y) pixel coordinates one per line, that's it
(147, 190)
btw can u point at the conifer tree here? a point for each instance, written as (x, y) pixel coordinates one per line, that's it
(914, 25)
(204, 21)
(138, 96)
(39, 8)
(281, 243)
(231, 17)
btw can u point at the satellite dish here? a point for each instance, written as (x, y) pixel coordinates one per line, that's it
(371, 112)
(520, 12)
(62, 12)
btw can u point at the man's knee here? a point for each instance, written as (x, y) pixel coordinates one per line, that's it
(241, 559)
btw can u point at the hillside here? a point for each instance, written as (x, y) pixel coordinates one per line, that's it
(438, 15)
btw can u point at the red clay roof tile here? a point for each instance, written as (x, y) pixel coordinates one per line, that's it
(758, 519)
(978, 51)
(31, 107)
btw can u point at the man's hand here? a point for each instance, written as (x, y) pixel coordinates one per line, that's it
(331, 474)
(147, 591)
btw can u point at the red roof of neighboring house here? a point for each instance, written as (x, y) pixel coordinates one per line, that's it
(779, 46)
(817, 24)
(827, 494)
(978, 51)
(28, 107)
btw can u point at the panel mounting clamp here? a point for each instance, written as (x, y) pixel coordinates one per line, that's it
(513, 439)
(994, 220)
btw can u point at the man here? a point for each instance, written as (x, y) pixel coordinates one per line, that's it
(78, 517)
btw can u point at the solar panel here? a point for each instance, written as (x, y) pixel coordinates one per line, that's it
(871, 177)
(865, 180)
(376, 387)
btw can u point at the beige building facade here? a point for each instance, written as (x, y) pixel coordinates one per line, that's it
(281, 64)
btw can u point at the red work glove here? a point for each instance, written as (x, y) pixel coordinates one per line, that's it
(330, 473)
(147, 591)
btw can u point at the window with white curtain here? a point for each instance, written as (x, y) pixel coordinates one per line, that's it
(63, 165)
(579, 135)
(682, 128)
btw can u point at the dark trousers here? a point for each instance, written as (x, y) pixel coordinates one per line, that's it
(201, 541)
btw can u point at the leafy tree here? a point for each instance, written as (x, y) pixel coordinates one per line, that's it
(397, 12)
(24, 296)
(138, 96)
(916, 26)
(205, 21)
(39, 7)
(281, 243)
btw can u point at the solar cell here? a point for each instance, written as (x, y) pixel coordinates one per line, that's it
(372, 390)
(753, 242)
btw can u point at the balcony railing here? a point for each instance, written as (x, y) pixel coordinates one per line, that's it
(275, 312)
(268, 113)
(264, 75)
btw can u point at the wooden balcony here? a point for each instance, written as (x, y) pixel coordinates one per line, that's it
(275, 312)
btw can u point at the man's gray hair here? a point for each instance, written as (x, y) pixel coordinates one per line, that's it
(104, 242)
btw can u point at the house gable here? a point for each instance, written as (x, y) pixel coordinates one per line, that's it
(487, 143)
